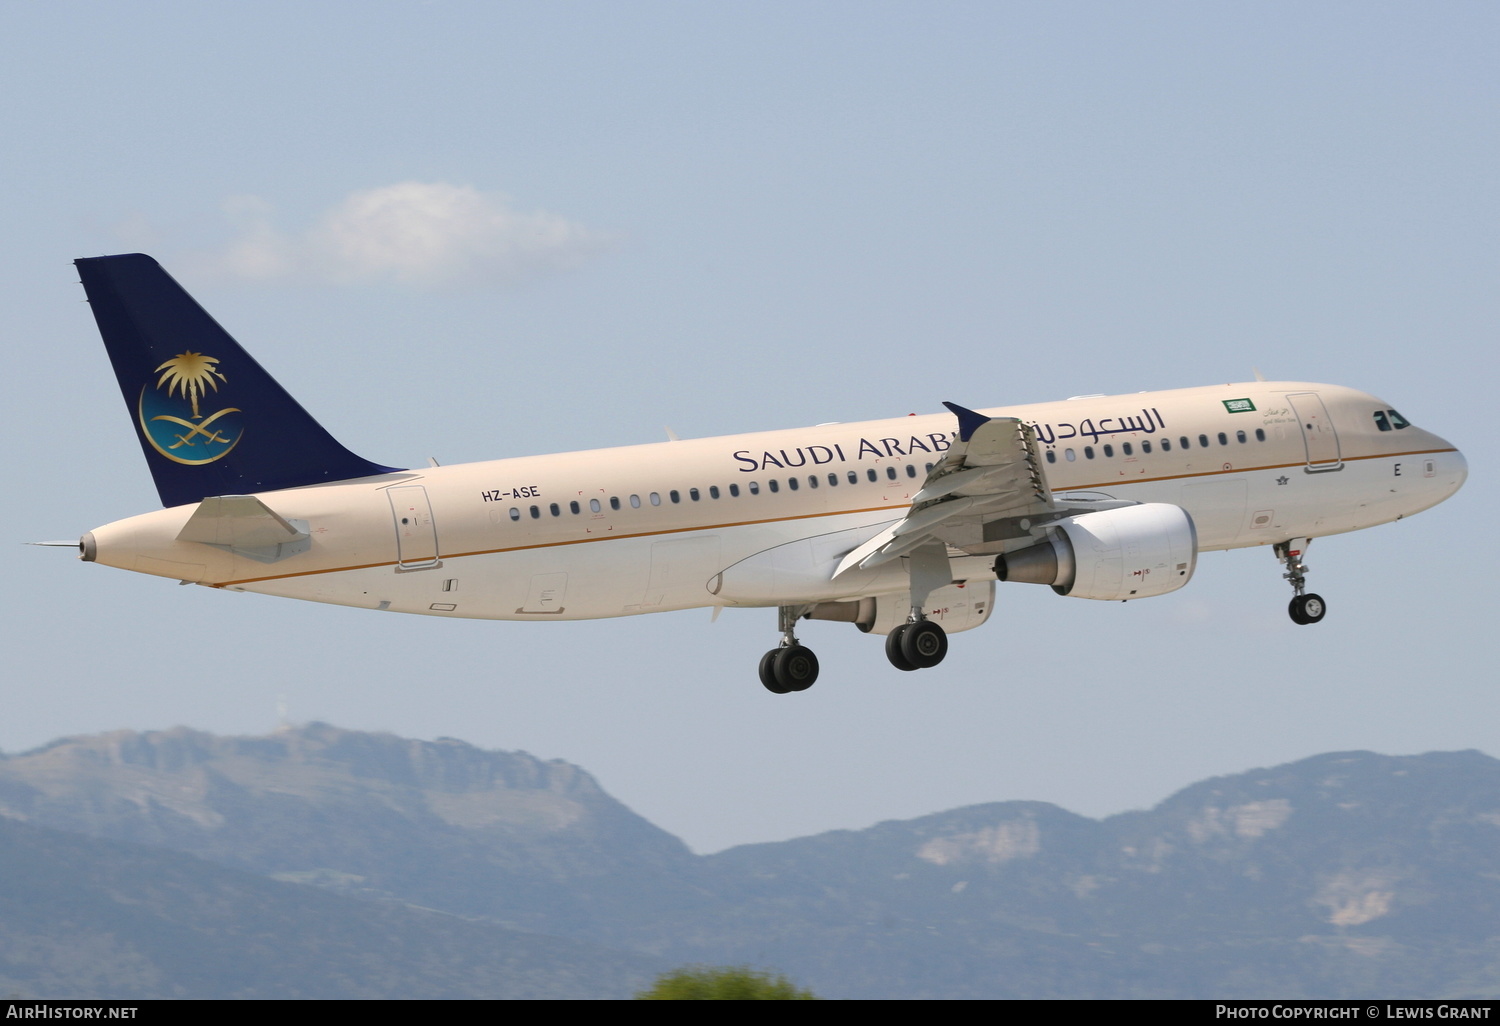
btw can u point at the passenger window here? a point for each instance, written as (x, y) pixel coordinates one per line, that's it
(928, 467)
(635, 502)
(1203, 441)
(1223, 438)
(1145, 447)
(1088, 452)
(890, 472)
(833, 480)
(1183, 441)
(554, 510)
(791, 483)
(1260, 434)
(1166, 445)
(675, 495)
(655, 499)
(713, 491)
(754, 488)
(1109, 450)
(775, 485)
(536, 513)
(1051, 455)
(515, 514)
(1240, 437)
(692, 494)
(1070, 454)
(575, 507)
(593, 505)
(614, 502)
(872, 474)
(853, 477)
(812, 480)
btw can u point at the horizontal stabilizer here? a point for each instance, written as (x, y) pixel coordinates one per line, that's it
(245, 526)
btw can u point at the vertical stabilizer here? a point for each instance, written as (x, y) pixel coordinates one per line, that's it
(210, 420)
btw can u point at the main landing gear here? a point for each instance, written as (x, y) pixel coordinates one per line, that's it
(1305, 608)
(791, 666)
(916, 645)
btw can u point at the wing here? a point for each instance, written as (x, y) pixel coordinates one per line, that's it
(987, 489)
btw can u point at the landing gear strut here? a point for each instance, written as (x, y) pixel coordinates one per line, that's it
(791, 666)
(1305, 608)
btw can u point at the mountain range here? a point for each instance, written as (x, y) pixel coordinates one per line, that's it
(320, 862)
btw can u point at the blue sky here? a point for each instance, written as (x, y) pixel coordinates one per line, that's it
(475, 230)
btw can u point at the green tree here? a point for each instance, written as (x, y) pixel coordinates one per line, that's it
(723, 983)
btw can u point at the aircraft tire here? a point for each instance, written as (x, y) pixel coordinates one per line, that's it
(924, 644)
(768, 673)
(795, 668)
(893, 649)
(1307, 609)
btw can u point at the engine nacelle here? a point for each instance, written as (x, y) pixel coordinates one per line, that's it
(957, 607)
(1113, 555)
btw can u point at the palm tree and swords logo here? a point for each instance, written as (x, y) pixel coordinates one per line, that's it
(170, 416)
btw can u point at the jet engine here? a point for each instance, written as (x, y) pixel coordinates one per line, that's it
(1114, 554)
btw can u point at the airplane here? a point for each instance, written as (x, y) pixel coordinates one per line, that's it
(902, 527)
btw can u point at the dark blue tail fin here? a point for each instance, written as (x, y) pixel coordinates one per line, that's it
(210, 420)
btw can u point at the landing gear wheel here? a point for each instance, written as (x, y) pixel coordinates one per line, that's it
(924, 644)
(794, 667)
(893, 649)
(1307, 609)
(768, 673)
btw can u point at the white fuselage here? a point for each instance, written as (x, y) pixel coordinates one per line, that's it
(637, 529)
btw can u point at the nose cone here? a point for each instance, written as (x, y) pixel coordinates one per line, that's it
(1449, 469)
(1460, 470)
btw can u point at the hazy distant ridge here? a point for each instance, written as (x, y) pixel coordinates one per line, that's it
(1344, 874)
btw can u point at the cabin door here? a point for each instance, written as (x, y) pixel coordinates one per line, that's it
(416, 532)
(1318, 435)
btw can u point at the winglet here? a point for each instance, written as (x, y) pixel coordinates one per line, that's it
(968, 421)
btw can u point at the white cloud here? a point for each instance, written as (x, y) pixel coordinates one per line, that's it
(414, 233)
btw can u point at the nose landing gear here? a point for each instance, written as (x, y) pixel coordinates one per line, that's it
(1305, 608)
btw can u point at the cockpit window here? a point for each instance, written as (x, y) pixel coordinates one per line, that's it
(1398, 421)
(1381, 422)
